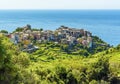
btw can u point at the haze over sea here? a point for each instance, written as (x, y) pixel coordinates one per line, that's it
(103, 23)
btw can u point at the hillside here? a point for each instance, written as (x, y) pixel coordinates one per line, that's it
(73, 41)
(50, 65)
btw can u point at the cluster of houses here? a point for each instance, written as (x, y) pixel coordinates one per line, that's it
(64, 35)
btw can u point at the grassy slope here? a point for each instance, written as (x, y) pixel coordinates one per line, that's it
(52, 58)
(73, 60)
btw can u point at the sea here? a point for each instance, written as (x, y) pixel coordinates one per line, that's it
(102, 23)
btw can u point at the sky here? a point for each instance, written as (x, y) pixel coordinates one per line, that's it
(59, 4)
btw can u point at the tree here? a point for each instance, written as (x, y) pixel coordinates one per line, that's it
(19, 29)
(35, 29)
(41, 29)
(4, 31)
(6, 66)
(99, 70)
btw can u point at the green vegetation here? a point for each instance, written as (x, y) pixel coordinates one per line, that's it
(18, 29)
(36, 29)
(52, 64)
(4, 31)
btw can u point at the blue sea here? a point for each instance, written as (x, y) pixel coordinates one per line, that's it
(103, 23)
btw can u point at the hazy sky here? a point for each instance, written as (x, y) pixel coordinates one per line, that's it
(59, 4)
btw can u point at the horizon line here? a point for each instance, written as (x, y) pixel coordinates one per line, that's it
(59, 9)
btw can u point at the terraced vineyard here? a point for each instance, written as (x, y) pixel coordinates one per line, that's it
(52, 65)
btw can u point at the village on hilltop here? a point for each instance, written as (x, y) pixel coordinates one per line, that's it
(62, 35)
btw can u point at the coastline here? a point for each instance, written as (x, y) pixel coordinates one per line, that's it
(98, 24)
